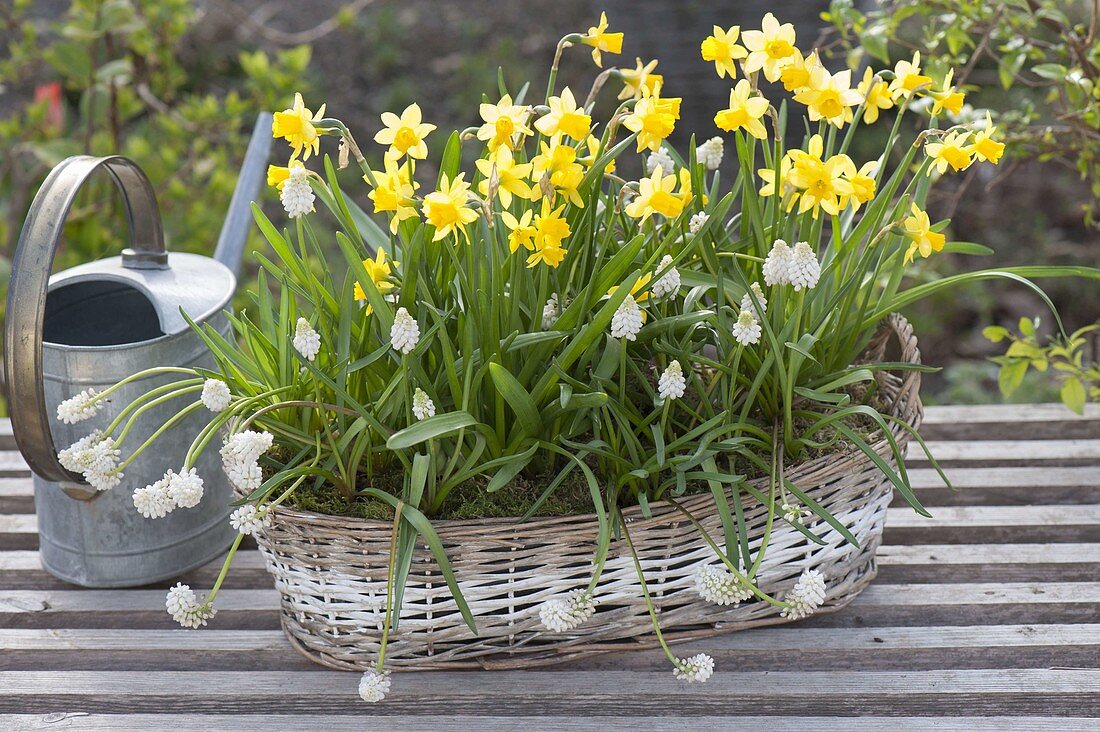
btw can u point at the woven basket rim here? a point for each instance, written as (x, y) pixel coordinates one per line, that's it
(895, 324)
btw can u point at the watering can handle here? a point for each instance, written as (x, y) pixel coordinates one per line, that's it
(30, 278)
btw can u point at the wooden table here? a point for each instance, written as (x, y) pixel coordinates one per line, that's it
(986, 617)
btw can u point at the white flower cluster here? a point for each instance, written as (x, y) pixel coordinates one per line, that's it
(174, 490)
(698, 668)
(697, 222)
(747, 330)
(307, 341)
(710, 152)
(215, 395)
(720, 586)
(807, 595)
(405, 332)
(80, 407)
(550, 311)
(248, 519)
(241, 458)
(374, 685)
(660, 159)
(627, 320)
(797, 267)
(564, 614)
(296, 194)
(672, 383)
(96, 458)
(668, 283)
(794, 513)
(185, 608)
(747, 304)
(422, 406)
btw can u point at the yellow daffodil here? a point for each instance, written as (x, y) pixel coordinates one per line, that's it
(918, 229)
(602, 41)
(557, 166)
(796, 74)
(829, 96)
(564, 117)
(722, 49)
(948, 97)
(394, 192)
(277, 175)
(521, 233)
(908, 79)
(638, 78)
(446, 208)
(378, 269)
(821, 184)
(768, 176)
(656, 196)
(876, 92)
(770, 48)
(551, 228)
(639, 290)
(505, 123)
(511, 177)
(951, 150)
(295, 125)
(983, 146)
(567, 182)
(594, 152)
(744, 111)
(653, 118)
(548, 254)
(405, 134)
(862, 182)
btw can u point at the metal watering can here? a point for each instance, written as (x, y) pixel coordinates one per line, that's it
(90, 327)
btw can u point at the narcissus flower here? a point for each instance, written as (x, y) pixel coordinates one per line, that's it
(378, 269)
(770, 48)
(656, 196)
(504, 176)
(521, 232)
(829, 96)
(983, 146)
(602, 41)
(639, 78)
(446, 208)
(551, 228)
(505, 123)
(918, 229)
(796, 75)
(744, 112)
(393, 192)
(548, 253)
(862, 182)
(721, 48)
(951, 150)
(768, 176)
(405, 134)
(564, 117)
(876, 92)
(947, 97)
(296, 126)
(908, 79)
(653, 118)
(821, 184)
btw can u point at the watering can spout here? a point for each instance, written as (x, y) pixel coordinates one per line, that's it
(238, 219)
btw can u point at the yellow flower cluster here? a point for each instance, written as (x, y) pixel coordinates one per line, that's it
(817, 184)
(958, 149)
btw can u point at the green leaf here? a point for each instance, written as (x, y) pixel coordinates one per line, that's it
(995, 333)
(1053, 72)
(518, 398)
(1073, 394)
(437, 426)
(1011, 376)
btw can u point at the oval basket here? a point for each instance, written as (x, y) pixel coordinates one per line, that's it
(331, 571)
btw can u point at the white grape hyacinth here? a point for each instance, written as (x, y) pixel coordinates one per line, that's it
(96, 458)
(660, 159)
(248, 519)
(807, 595)
(296, 194)
(668, 283)
(747, 303)
(793, 513)
(83, 406)
(240, 458)
(186, 609)
(777, 266)
(422, 406)
(374, 685)
(562, 614)
(307, 341)
(184, 488)
(627, 320)
(696, 669)
(550, 311)
(405, 332)
(804, 269)
(672, 383)
(697, 222)
(153, 501)
(720, 586)
(747, 329)
(78, 455)
(215, 395)
(710, 153)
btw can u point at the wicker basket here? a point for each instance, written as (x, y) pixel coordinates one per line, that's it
(331, 571)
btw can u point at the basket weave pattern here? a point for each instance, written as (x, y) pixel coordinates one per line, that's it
(331, 571)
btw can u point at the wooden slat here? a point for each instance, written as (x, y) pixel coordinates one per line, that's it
(1006, 451)
(1011, 414)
